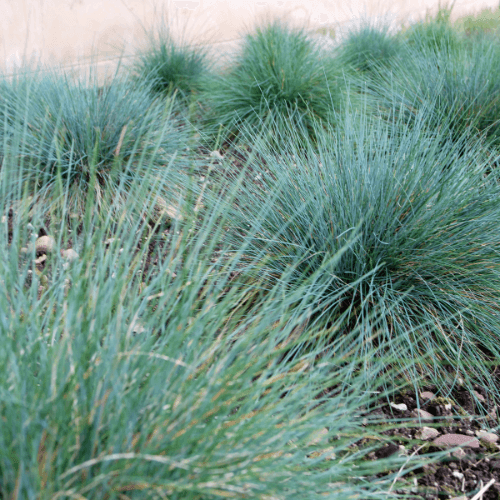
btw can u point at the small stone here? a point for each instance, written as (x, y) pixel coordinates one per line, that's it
(400, 407)
(216, 154)
(137, 328)
(451, 440)
(459, 453)
(40, 260)
(479, 396)
(44, 245)
(422, 415)
(427, 433)
(488, 437)
(469, 432)
(163, 213)
(69, 254)
(457, 474)
(427, 395)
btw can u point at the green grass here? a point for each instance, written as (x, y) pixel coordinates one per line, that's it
(369, 49)
(278, 82)
(435, 34)
(458, 92)
(422, 256)
(485, 22)
(167, 382)
(63, 133)
(169, 66)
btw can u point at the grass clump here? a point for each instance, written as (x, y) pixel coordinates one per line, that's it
(88, 138)
(434, 34)
(167, 66)
(279, 82)
(460, 93)
(167, 383)
(422, 261)
(369, 49)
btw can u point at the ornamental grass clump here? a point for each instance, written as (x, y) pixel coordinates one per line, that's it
(460, 93)
(434, 34)
(170, 382)
(422, 265)
(280, 81)
(65, 133)
(168, 66)
(369, 49)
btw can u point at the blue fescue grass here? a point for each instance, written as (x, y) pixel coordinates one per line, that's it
(167, 66)
(422, 265)
(370, 48)
(435, 34)
(279, 80)
(88, 138)
(460, 91)
(175, 383)
(366, 258)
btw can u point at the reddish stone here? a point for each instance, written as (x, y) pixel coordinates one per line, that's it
(451, 440)
(427, 395)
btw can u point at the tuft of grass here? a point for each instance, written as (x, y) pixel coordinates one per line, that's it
(279, 82)
(91, 139)
(422, 263)
(167, 66)
(369, 49)
(461, 92)
(170, 382)
(434, 34)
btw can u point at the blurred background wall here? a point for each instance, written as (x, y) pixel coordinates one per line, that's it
(73, 33)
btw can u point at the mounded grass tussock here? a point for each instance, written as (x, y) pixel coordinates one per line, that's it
(422, 260)
(279, 81)
(94, 141)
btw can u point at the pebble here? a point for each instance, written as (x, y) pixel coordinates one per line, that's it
(109, 241)
(400, 407)
(479, 396)
(451, 440)
(216, 154)
(422, 414)
(44, 244)
(488, 437)
(427, 395)
(69, 254)
(427, 433)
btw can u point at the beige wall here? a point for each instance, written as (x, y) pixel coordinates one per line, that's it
(69, 32)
